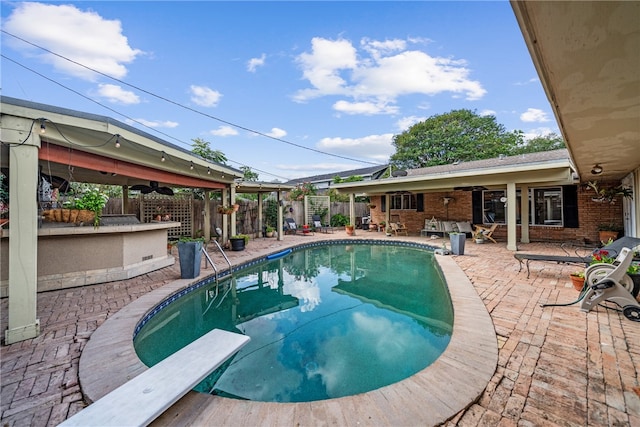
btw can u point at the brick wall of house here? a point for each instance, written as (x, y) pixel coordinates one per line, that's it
(590, 215)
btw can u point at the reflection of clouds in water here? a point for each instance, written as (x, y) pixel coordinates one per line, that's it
(254, 380)
(307, 292)
(374, 341)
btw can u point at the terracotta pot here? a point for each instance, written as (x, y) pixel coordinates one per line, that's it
(578, 282)
(349, 229)
(604, 236)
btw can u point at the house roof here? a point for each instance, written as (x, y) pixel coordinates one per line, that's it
(86, 143)
(545, 168)
(371, 170)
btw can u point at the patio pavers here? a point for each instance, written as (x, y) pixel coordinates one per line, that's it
(556, 365)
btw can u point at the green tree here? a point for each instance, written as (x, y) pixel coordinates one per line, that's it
(460, 135)
(549, 142)
(249, 175)
(202, 149)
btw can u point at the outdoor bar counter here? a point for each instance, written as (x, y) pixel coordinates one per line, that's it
(71, 256)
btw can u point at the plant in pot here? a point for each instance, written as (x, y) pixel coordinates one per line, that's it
(478, 236)
(269, 230)
(239, 241)
(608, 231)
(577, 279)
(92, 200)
(388, 231)
(350, 229)
(190, 255)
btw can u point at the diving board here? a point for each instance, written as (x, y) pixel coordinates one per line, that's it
(144, 398)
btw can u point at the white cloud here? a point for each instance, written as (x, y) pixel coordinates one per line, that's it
(254, 63)
(84, 37)
(204, 96)
(154, 123)
(373, 147)
(537, 132)
(365, 108)
(485, 113)
(115, 93)
(406, 122)
(534, 115)
(379, 73)
(277, 133)
(224, 131)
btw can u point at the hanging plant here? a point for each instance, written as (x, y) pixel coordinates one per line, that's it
(226, 210)
(609, 195)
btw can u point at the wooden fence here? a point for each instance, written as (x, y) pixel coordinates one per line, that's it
(190, 212)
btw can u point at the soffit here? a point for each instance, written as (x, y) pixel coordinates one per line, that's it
(587, 55)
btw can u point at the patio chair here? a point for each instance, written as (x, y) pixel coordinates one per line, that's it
(487, 231)
(290, 227)
(318, 226)
(398, 228)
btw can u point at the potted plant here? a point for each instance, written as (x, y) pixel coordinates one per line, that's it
(190, 256)
(388, 231)
(239, 241)
(478, 236)
(92, 200)
(577, 278)
(608, 231)
(226, 210)
(350, 229)
(269, 231)
(457, 242)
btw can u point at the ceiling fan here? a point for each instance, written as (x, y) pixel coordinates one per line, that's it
(153, 186)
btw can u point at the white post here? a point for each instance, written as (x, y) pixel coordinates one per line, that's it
(524, 213)
(352, 211)
(511, 217)
(23, 231)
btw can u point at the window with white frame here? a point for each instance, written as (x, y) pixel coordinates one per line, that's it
(403, 201)
(545, 206)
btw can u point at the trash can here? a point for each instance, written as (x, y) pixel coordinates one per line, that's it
(457, 243)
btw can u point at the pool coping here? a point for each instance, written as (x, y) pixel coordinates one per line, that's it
(430, 397)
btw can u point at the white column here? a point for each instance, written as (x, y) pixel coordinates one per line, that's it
(280, 217)
(207, 216)
(352, 211)
(232, 200)
(260, 219)
(511, 216)
(224, 199)
(23, 231)
(524, 212)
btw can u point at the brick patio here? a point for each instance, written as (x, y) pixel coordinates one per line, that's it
(533, 384)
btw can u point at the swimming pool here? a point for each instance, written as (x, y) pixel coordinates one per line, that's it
(326, 321)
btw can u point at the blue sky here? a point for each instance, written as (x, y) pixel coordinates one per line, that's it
(339, 78)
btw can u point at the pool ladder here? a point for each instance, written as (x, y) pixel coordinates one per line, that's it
(215, 269)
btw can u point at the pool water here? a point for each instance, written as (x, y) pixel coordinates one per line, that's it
(324, 322)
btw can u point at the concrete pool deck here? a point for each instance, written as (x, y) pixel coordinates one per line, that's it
(532, 385)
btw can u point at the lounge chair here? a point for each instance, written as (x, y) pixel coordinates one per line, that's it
(318, 226)
(290, 227)
(613, 249)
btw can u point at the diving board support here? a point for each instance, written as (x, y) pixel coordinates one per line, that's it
(144, 398)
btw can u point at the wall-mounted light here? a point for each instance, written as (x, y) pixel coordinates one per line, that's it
(162, 159)
(191, 166)
(446, 200)
(43, 128)
(117, 141)
(596, 170)
(208, 171)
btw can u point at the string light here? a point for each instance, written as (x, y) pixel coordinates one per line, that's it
(162, 159)
(117, 141)
(208, 171)
(43, 128)
(191, 166)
